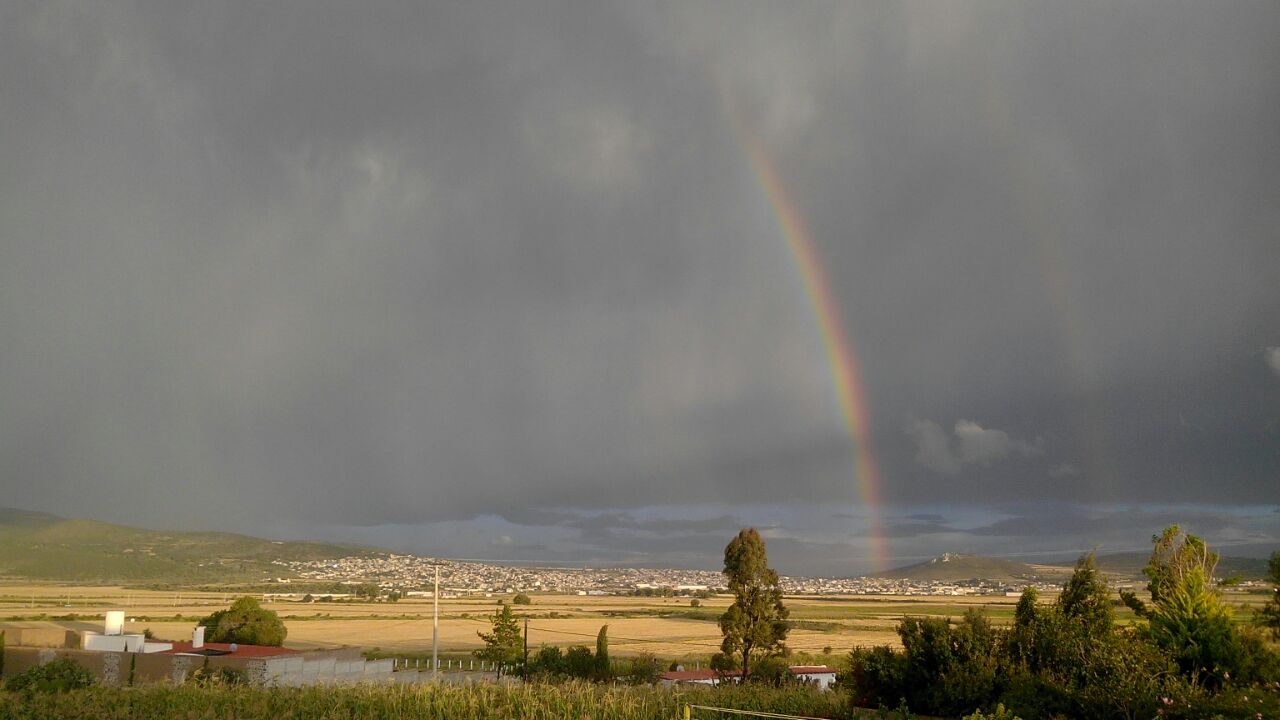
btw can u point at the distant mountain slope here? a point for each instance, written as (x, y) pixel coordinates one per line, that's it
(46, 547)
(1130, 564)
(952, 567)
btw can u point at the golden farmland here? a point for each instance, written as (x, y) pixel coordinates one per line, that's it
(667, 627)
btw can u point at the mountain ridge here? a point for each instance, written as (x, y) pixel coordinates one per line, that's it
(955, 567)
(42, 546)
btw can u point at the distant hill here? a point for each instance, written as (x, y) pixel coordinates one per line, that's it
(40, 546)
(1130, 564)
(952, 567)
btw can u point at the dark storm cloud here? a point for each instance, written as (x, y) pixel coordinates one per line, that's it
(320, 263)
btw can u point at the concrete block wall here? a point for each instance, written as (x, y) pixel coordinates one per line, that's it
(379, 669)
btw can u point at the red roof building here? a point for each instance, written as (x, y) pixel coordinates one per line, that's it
(184, 647)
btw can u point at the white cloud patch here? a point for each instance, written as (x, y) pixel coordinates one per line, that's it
(1272, 355)
(933, 447)
(973, 444)
(986, 445)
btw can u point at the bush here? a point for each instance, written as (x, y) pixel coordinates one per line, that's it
(548, 664)
(1060, 666)
(773, 671)
(521, 599)
(579, 663)
(52, 677)
(644, 670)
(951, 670)
(877, 677)
(1000, 713)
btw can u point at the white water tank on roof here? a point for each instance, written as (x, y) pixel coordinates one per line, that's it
(115, 623)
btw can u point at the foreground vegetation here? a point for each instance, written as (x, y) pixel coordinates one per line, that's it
(524, 702)
(1186, 656)
(469, 702)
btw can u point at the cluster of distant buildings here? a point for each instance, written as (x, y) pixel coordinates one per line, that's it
(411, 576)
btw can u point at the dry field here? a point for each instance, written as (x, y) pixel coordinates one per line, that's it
(667, 627)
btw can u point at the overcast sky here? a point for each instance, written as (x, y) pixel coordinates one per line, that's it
(497, 280)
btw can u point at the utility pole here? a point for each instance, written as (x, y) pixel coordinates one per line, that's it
(435, 629)
(524, 670)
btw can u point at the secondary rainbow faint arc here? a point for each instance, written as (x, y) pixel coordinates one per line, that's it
(840, 351)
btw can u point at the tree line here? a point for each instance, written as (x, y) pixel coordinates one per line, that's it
(1184, 657)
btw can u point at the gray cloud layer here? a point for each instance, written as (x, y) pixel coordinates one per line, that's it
(321, 263)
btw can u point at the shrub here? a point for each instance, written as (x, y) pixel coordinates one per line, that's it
(578, 662)
(1000, 713)
(774, 671)
(57, 676)
(548, 663)
(521, 599)
(644, 670)
(951, 670)
(876, 677)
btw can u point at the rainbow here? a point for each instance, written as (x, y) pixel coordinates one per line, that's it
(840, 353)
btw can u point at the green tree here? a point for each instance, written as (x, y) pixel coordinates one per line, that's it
(1187, 617)
(1025, 612)
(521, 599)
(1268, 616)
(756, 622)
(1174, 554)
(603, 671)
(245, 622)
(1086, 599)
(1191, 622)
(503, 646)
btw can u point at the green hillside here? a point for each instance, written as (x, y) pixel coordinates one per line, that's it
(953, 567)
(1130, 564)
(40, 546)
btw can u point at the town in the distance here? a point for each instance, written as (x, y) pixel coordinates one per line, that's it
(411, 575)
